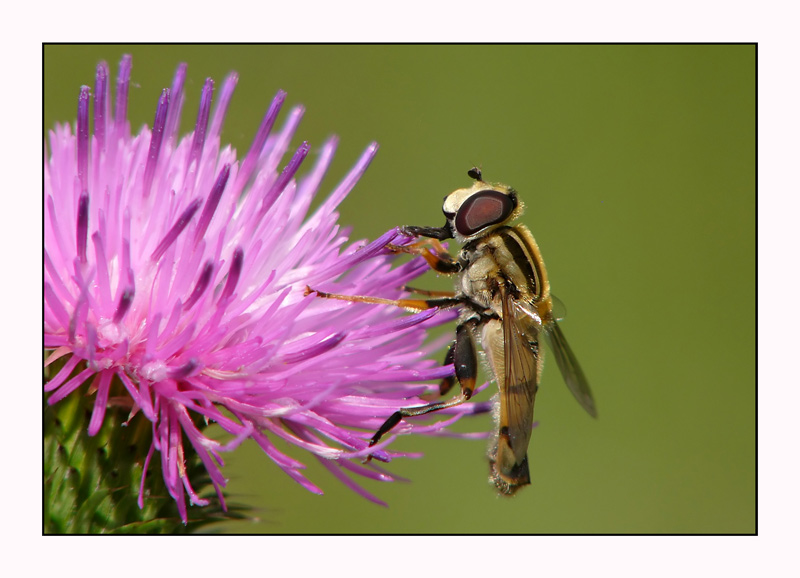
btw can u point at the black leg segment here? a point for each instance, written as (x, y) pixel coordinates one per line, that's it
(440, 233)
(448, 382)
(465, 359)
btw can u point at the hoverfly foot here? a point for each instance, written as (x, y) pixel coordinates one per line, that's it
(408, 231)
(369, 458)
(398, 248)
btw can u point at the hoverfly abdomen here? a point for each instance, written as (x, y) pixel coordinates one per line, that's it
(514, 476)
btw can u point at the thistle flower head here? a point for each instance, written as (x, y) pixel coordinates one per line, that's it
(178, 271)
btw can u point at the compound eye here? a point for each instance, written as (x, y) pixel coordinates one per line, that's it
(483, 209)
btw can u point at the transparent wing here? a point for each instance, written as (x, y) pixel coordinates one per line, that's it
(567, 362)
(559, 309)
(522, 370)
(570, 368)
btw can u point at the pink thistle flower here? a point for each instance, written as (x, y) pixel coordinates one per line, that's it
(180, 272)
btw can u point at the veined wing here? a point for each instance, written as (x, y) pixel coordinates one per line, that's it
(567, 362)
(518, 385)
(570, 368)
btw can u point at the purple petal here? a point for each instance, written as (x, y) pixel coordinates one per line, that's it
(156, 139)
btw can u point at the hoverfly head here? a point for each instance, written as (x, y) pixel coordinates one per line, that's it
(473, 212)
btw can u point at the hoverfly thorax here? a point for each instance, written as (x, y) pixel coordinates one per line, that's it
(473, 212)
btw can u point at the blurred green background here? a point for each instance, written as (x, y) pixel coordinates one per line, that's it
(637, 166)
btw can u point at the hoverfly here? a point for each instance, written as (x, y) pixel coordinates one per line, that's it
(503, 297)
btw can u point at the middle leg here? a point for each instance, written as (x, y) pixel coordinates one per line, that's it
(412, 304)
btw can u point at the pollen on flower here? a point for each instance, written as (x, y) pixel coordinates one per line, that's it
(177, 272)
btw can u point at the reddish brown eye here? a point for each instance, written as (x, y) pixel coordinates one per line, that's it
(483, 209)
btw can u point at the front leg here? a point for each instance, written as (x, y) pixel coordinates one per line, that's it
(439, 259)
(441, 233)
